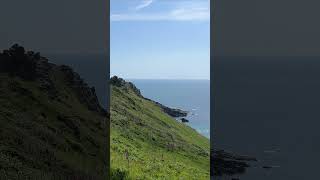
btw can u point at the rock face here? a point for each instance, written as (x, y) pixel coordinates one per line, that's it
(32, 66)
(86, 94)
(173, 112)
(119, 82)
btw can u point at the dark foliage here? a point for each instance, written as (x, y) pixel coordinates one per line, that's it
(119, 175)
(17, 62)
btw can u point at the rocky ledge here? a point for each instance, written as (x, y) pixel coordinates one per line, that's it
(227, 163)
(184, 120)
(173, 112)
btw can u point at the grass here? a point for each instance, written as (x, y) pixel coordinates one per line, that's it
(146, 143)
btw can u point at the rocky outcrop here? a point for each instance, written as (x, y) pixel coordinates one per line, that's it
(27, 65)
(227, 163)
(16, 62)
(184, 120)
(174, 112)
(86, 94)
(32, 66)
(119, 82)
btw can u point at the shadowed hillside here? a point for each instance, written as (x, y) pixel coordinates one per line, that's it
(52, 125)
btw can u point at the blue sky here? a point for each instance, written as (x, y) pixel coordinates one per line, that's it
(160, 39)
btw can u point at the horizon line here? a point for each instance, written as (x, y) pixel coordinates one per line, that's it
(202, 79)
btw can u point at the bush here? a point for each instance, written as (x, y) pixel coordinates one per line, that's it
(119, 175)
(17, 62)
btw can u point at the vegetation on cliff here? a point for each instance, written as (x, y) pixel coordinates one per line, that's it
(52, 125)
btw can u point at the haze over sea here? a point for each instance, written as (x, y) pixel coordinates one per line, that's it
(189, 95)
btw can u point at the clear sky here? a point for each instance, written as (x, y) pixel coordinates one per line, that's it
(160, 39)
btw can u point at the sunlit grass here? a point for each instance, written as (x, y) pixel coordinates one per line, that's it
(148, 144)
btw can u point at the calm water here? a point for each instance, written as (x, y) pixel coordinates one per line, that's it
(269, 108)
(190, 95)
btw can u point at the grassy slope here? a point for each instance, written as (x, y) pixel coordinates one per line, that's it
(141, 128)
(36, 144)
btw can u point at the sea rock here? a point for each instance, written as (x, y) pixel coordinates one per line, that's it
(184, 120)
(227, 163)
(230, 155)
(267, 167)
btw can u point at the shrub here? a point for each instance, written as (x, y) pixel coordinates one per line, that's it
(119, 174)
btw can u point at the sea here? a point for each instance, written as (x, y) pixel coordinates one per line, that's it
(190, 95)
(269, 108)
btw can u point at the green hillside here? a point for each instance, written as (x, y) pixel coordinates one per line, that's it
(147, 143)
(52, 126)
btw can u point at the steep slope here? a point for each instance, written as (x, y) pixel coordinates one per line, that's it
(147, 143)
(52, 126)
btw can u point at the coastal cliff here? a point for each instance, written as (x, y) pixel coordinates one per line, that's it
(147, 142)
(137, 121)
(174, 112)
